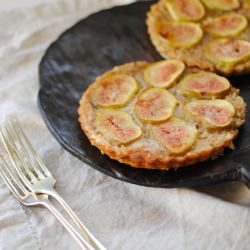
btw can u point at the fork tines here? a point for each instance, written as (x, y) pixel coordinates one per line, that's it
(20, 153)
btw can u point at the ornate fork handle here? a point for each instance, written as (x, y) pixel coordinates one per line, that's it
(79, 239)
(85, 232)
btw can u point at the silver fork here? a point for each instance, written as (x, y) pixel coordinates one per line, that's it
(36, 177)
(28, 198)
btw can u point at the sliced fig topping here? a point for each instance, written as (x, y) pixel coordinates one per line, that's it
(226, 25)
(204, 84)
(117, 125)
(185, 10)
(155, 105)
(176, 135)
(114, 91)
(163, 74)
(222, 4)
(218, 113)
(228, 52)
(180, 34)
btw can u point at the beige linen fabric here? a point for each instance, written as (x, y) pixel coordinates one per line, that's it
(121, 215)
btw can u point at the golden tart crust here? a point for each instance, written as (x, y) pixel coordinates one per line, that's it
(146, 151)
(195, 56)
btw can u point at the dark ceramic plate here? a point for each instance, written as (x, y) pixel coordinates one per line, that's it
(93, 46)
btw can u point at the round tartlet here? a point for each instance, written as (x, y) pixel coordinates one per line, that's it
(204, 37)
(161, 115)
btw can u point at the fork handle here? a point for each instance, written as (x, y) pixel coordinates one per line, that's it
(78, 238)
(85, 232)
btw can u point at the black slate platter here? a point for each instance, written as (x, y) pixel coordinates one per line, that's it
(88, 49)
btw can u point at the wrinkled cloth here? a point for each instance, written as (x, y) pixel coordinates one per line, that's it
(122, 216)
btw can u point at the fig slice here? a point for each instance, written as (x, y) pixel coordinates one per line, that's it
(185, 10)
(228, 51)
(222, 4)
(155, 105)
(225, 25)
(217, 113)
(117, 125)
(180, 34)
(176, 135)
(204, 84)
(114, 90)
(163, 74)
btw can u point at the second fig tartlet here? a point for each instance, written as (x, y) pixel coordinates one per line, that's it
(211, 35)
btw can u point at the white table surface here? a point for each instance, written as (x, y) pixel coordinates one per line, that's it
(17, 4)
(121, 215)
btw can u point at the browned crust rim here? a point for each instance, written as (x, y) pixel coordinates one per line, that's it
(138, 158)
(190, 60)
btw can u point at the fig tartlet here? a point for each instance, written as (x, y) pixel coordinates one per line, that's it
(212, 35)
(161, 115)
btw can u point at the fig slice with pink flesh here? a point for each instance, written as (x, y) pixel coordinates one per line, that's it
(204, 85)
(185, 10)
(228, 51)
(176, 135)
(180, 34)
(225, 25)
(114, 90)
(225, 5)
(217, 113)
(164, 74)
(155, 105)
(117, 125)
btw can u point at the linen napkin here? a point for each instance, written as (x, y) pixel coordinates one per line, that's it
(121, 215)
